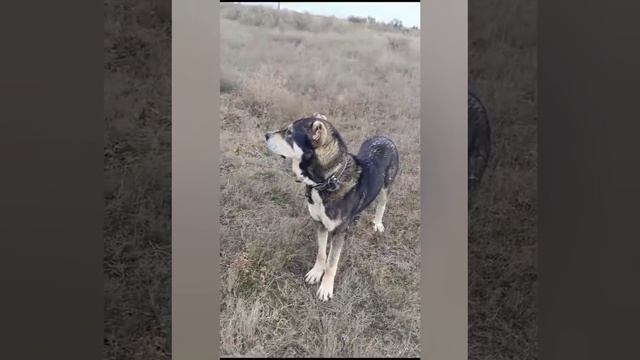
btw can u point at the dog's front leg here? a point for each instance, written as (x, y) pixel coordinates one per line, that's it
(314, 275)
(325, 291)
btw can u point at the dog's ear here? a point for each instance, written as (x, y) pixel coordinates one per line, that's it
(319, 132)
(319, 116)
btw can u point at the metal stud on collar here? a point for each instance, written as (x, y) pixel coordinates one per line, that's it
(331, 184)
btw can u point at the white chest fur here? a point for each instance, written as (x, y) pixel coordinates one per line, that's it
(318, 213)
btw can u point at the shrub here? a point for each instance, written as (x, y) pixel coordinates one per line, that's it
(396, 23)
(397, 43)
(357, 20)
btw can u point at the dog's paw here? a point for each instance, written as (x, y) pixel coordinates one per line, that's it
(378, 227)
(314, 275)
(325, 291)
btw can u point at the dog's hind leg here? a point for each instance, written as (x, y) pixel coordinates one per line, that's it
(325, 291)
(381, 205)
(314, 275)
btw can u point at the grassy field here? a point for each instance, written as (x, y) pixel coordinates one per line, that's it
(503, 222)
(137, 179)
(277, 67)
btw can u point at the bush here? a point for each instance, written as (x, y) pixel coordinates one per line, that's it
(357, 20)
(396, 23)
(397, 43)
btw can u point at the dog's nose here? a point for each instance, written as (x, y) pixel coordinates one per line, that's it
(267, 136)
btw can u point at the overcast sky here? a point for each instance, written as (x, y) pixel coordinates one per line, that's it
(407, 12)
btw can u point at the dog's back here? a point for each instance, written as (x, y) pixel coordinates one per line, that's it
(379, 162)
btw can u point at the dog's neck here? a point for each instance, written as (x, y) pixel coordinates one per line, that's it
(328, 160)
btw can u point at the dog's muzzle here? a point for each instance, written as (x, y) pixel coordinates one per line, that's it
(267, 136)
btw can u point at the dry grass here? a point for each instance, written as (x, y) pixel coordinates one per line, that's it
(376, 307)
(137, 189)
(366, 80)
(503, 224)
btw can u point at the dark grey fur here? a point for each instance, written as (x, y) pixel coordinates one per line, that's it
(374, 168)
(479, 142)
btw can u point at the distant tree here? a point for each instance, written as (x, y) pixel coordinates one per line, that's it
(396, 23)
(371, 20)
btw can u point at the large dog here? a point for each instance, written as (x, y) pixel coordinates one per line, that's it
(339, 185)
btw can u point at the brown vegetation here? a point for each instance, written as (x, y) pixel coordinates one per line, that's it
(137, 172)
(503, 222)
(277, 67)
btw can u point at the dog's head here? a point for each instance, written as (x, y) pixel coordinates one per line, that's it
(306, 142)
(298, 140)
